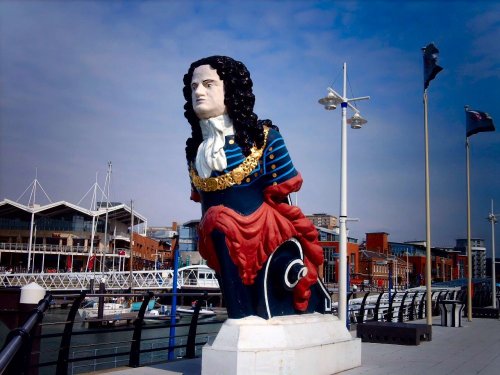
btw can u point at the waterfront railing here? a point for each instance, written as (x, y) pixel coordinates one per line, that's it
(398, 306)
(59, 249)
(16, 353)
(102, 343)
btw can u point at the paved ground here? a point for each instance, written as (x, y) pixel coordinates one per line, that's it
(471, 349)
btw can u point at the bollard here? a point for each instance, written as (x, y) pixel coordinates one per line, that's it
(100, 306)
(9, 307)
(31, 294)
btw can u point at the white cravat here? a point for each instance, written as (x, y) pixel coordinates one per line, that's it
(211, 155)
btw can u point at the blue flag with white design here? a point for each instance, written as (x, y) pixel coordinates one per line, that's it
(478, 121)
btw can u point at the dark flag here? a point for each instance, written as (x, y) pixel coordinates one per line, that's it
(478, 122)
(431, 68)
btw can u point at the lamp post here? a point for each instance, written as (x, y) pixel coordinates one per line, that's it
(492, 218)
(407, 273)
(443, 269)
(156, 258)
(395, 261)
(330, 102)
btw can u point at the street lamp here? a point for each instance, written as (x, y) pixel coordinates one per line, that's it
(492, 218)
(356, 121)
(330, 102)
(407, 272)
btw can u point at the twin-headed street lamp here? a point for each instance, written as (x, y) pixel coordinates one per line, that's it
(330, 102)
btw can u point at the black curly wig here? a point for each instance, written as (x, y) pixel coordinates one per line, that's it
(238, 99)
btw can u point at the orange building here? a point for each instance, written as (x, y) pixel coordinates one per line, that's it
(378, 242)
(147, 250)
(329, 241)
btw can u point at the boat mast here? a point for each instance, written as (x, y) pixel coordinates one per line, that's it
(92, 210)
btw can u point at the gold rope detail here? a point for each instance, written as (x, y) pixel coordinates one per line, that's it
(233, 177)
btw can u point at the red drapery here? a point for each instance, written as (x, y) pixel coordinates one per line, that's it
(251, 239)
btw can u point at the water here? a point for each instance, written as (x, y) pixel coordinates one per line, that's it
(113, 341)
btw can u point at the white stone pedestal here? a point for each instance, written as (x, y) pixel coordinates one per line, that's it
(312, 344)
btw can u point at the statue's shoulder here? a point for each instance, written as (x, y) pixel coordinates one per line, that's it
(272, 136)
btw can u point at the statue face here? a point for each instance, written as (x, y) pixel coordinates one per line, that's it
(207, 93)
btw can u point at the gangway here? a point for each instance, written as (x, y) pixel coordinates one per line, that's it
(193, 277)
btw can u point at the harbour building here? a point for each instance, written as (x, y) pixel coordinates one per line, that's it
(478, 252)
(64, 237)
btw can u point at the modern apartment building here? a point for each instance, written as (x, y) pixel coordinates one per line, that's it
(323, 220)
(188, 244)
(478, 252)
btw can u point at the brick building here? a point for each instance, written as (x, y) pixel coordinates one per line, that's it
(407, 261)
(329, 241)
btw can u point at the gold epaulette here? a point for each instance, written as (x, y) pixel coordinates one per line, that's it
(234, 177)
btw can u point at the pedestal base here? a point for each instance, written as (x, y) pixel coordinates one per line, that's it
(296, 344)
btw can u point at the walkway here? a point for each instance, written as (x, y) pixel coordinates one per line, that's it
(198, 277)
(471, 349)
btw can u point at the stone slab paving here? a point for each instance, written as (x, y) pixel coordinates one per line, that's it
(473, 348)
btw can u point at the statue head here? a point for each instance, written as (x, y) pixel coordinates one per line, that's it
(239, 102)
(207, 93)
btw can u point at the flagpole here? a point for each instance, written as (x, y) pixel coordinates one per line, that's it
(428, 280)
(492, 218)
(469, 252)
(475, 122)
(431, 69)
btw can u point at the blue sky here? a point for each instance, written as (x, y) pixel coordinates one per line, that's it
(83, 83)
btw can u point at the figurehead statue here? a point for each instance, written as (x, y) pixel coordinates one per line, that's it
(263, 249)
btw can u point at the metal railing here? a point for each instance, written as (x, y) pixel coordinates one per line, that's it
(17, 349)
(118, 281)
(44, 248)
(399, 306)
(17, 355)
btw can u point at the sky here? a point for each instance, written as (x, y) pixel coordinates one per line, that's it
(87, 82)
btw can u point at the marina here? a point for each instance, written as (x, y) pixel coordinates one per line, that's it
(94, 342)
(90, 344)
(112, 328)
(100, 348)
